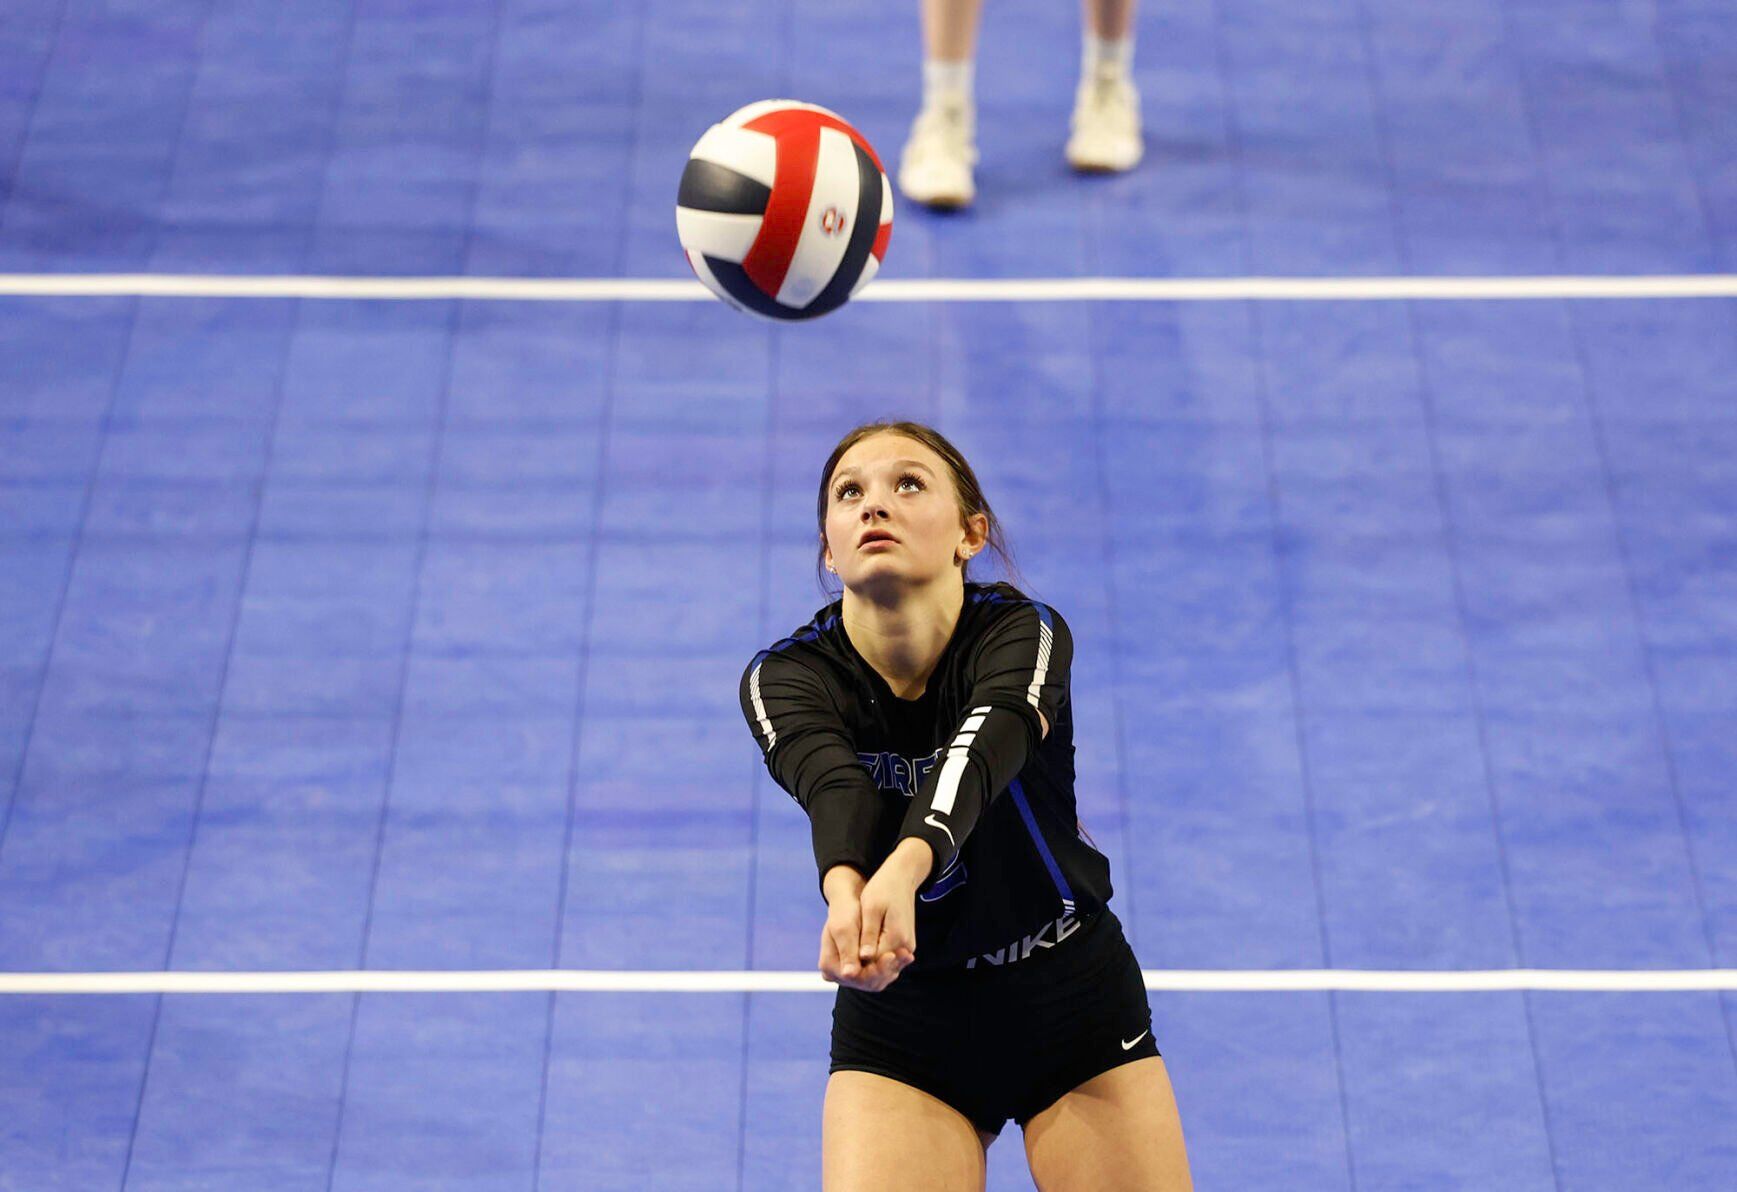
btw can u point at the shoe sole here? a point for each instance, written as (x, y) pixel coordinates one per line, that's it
(1099, 166)
(947, 201)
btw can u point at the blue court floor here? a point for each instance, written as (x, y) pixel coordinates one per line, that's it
(405, 635)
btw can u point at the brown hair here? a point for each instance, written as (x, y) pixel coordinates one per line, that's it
(970, 493)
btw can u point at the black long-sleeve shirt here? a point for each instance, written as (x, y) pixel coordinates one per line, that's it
(965, 766)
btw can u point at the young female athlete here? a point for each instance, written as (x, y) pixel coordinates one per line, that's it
(923, 722)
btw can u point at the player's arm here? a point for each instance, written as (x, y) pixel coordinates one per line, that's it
(802, 736)
(1019, 678)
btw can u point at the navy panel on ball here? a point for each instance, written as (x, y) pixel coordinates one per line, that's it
(745, 293)
(708, 186)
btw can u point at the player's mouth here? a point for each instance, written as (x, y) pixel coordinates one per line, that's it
(872, 537)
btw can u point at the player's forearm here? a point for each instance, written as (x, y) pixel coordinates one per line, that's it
(843, 815)
(992, 746)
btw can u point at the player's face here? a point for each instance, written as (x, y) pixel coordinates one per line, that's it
(892, 514)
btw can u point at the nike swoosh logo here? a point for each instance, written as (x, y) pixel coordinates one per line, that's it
(935, 823)
(1130, 1043)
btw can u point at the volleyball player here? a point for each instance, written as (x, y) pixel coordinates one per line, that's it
(936, 166)
(924, 724)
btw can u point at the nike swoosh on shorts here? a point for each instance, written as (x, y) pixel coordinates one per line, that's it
(1130, 1043)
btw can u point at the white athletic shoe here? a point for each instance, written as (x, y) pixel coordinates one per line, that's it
(935, 167)
(1106, 125)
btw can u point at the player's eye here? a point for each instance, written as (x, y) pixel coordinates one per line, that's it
(913, 478)
(840, 492)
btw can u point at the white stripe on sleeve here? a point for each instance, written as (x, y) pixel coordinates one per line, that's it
(947, 790)
(770, 733)
(958, 756)
(1045, 639)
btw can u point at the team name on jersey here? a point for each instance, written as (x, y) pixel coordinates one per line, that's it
(894, 773)
(1047, 936)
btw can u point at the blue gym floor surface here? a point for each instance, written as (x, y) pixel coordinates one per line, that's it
(405, 635)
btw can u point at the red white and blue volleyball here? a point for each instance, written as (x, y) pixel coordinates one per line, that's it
(784, 210)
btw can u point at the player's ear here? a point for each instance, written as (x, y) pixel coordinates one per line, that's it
(976, 530)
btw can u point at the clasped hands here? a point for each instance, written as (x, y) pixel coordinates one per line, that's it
(871, 926)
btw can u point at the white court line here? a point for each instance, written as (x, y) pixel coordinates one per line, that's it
(766, 981)
(1058, 289)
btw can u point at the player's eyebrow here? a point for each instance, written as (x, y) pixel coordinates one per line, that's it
(897, 463)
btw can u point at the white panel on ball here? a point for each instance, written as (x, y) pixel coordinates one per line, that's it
(753, 111)
(743, 150)
(718, 234)
(831, 216)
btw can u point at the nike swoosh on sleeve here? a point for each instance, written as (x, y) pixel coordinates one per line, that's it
(935, 823)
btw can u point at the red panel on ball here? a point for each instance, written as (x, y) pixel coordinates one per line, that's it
(777, 123)
(769, 257)
(798, 134)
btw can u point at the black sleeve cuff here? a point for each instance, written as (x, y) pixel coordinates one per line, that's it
(938, 841)
(842, 824)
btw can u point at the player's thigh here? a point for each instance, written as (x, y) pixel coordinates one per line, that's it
(1117, 1131)
(879, 1133)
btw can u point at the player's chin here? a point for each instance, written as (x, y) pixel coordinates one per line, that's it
(885, 570)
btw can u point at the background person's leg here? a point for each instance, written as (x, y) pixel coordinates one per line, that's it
(1106, 122)
(935, 167)
(950, 29)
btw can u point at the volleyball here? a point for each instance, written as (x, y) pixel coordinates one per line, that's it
(784, 210)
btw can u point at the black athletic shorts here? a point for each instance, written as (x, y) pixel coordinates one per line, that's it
(1009, 1040)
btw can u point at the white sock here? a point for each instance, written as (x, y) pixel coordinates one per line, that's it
(947, 79)
(1108, 56)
